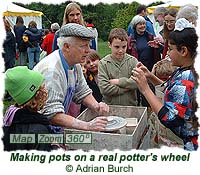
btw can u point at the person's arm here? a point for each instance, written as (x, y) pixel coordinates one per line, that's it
(154, 79)
(61, 119)
(67, 121)
(104, 84)
(179, 101)
(140, 78)
(55, 109)
(178, 104)
(149, 75)
(100, 108)
(127, 83)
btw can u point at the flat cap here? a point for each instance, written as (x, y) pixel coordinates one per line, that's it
(77, 30)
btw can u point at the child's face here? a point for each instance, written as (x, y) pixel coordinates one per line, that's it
(118, 48)
(84, 68)
(175, 55)
(38, 101)
(92, 64)
(45, 91)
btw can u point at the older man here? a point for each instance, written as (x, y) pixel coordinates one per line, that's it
(65, 81)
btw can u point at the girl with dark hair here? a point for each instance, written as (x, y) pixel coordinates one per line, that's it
(19, 29)
(178, 111)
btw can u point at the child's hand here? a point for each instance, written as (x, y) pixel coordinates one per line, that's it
(140, 78)
(144, 69)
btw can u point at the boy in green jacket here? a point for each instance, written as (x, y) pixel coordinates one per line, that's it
(114, 72)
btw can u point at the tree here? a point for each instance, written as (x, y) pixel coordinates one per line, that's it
(124, 16)
(105, 16)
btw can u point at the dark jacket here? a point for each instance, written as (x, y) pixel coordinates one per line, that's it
(19, 31)
(9, 46)
(34, 36)
(152, 55)
(95, 89)
(25, 122)
(54, 45)
(93, 85)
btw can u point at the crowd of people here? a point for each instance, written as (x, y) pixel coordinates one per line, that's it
(50, 93)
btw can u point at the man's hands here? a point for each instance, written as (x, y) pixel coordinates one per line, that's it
(98, 124)
(101, 108)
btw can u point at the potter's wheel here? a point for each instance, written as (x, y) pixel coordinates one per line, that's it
(115, 123)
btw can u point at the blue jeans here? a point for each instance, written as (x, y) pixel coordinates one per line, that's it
(22, 59)
(33, 53)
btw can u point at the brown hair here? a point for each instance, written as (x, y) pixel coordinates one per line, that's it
(7, 25)
(117, 33)
(164, 69)
(38, 100)
(70, 7)
(19, 21)
(93, 55)
(172, 12)
(32, 24)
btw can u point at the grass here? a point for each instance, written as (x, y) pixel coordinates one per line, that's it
(103, 48)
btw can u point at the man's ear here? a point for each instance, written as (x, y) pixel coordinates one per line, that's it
(66, 45)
